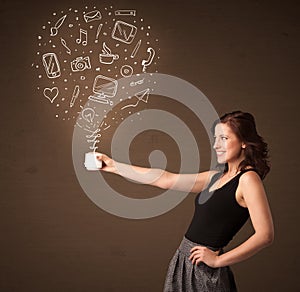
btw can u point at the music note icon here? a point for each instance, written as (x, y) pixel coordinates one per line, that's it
(82, 37)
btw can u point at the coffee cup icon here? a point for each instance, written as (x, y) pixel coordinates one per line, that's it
(106, 57)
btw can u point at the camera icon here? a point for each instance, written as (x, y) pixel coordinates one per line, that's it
(80, 64)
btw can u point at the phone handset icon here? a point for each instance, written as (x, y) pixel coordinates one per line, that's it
(146, 63)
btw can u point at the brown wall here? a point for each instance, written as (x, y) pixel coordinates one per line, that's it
(241, 54)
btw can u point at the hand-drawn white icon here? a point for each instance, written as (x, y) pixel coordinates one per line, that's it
(93, 139)
(57, 25)
(128, 12)
(146, 63)
(88, 114)
(98, 32)
(80, 64)
(141, 96)
(82, 37)
(51, 65)
(124, 32)
(107, 57)
(126, 71)
(136, 48)
(51, 93)
(91, 16)
(138, 82)
(104, 88)
(74, 95)
(63, 42)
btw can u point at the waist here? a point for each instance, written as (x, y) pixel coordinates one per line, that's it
(186, 245)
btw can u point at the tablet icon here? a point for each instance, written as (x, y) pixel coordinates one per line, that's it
(124, 32)
(51, 65)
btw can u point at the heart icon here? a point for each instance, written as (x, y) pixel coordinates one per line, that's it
(51, 93)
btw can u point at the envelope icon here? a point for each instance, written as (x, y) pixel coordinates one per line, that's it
(91, 16)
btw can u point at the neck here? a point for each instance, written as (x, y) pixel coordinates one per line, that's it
(233, 167)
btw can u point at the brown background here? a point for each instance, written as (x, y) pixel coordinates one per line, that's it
(241, 54)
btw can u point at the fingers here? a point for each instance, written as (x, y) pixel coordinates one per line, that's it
(196, 254)
(103, 157)
(201, 254)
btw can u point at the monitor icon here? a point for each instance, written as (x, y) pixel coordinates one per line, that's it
(103, 89)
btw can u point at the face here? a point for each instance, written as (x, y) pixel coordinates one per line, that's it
(229, 148)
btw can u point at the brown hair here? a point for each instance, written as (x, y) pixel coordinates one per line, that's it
(256, 151)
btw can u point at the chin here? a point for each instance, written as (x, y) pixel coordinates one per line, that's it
(221, 161)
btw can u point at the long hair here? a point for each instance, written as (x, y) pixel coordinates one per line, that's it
(256, 151)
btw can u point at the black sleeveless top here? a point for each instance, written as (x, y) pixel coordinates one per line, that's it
(218, 216)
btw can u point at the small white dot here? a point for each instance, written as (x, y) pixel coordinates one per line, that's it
(37, 66)
(65, 80)
(40, 76)
(63, 99)
(43, 27)
(91, 27)
(56, 116)
(142, 28)
(66, 111)
(71, 25)
(57, 105)
(39, 37)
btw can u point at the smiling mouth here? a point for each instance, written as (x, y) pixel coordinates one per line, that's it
(219, 153)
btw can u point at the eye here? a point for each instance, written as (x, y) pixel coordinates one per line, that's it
(224, 138)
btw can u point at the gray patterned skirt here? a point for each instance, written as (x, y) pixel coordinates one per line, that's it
(183, 276)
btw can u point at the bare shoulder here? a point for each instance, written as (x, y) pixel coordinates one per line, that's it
(250, 177)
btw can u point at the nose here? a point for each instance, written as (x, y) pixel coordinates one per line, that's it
(216, 143)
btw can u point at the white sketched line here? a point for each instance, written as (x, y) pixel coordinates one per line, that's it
(129, 12)
(64, 43)
(106, 127)
(136, 48)
(141, 96)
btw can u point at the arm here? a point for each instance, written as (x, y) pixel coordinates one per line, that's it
(157, 177)
(255, 199)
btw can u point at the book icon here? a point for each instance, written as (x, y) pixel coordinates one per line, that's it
(103, 89)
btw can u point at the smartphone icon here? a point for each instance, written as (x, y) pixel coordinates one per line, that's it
(124, 32)
(51, 65)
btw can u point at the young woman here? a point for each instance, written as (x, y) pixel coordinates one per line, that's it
(225, 200)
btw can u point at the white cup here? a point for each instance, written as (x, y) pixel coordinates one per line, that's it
(91, 162)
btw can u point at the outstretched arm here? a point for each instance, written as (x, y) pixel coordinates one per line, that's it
(157, 177)
(255, 199)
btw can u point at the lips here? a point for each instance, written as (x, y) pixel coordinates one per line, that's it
(219, 153)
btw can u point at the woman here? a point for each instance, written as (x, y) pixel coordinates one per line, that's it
(225, 200)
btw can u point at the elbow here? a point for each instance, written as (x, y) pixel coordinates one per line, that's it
(268, 239)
